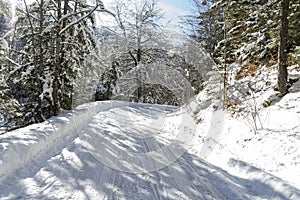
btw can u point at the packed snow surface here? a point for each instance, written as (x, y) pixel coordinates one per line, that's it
(119, 150)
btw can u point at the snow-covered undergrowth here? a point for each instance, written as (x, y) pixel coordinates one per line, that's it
(273, 145)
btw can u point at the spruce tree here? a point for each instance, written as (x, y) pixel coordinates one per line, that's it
(54, 45)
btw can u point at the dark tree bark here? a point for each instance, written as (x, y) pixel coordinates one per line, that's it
(282, 59)
(56, 81)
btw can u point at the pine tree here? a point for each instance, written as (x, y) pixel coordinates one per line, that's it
(205, 24)
(9, 107)
(294, 24)
(249, 29)
(54, 45)
(4, 17)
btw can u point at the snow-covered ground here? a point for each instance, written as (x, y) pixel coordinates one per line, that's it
(273, 148)
(119, 150)
(1, 122)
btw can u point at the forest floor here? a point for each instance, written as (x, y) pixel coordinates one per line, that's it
(119, 150)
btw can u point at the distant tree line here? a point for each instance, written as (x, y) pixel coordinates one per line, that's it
(54, 57)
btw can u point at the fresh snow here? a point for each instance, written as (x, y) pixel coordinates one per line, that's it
(3, 44)
(121, 150)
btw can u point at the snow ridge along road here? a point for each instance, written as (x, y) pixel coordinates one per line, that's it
(119, 150)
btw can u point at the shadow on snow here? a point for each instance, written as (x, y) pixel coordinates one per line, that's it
(78, 171)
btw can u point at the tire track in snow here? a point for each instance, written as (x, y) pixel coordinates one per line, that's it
(77, 171)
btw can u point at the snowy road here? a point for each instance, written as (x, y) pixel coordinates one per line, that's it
(130, 152)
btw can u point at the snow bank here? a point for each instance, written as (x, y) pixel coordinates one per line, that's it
(273, 148)
(19, 147)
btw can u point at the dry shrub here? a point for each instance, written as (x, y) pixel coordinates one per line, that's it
(248, 69)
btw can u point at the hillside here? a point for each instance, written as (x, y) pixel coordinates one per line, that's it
(119, 150)
(260, 130)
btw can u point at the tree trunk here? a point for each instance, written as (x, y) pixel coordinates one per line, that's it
(56, 81)
(225, 61)
(282, 59)
(41, 59)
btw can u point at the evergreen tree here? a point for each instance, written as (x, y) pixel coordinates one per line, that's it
(205, 24)
(250, 29)
(54, 44)
(294, 24)
(4, 17)
(9, 107)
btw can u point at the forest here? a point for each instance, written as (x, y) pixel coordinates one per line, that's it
(56, 55)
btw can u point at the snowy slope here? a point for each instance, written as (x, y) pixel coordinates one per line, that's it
(270, 156)
(117, 150)
(274, 147)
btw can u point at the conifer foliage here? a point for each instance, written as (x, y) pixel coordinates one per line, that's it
(53, 42)
(249, 29)
(249, 33)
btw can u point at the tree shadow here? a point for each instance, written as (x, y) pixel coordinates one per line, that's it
(95, 166)
(295, 85)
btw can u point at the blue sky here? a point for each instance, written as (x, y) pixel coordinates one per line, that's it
(175, 8)
(182, 5)
(172, 10)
